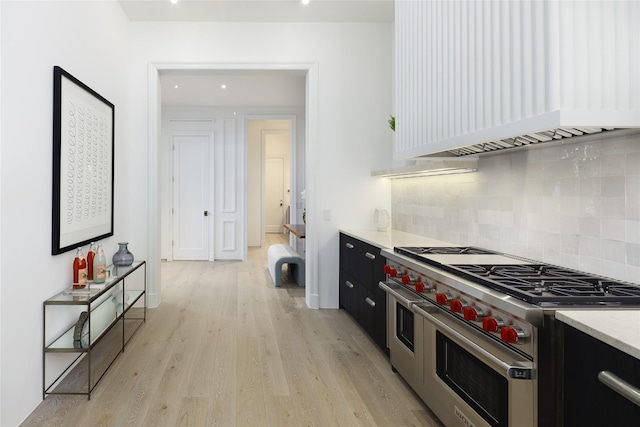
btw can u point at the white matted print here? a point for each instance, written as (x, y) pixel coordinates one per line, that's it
(83, 160)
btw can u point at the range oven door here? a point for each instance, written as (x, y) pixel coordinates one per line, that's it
(470, 380)
(404, 334)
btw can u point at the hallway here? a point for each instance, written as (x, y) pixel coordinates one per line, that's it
(227, 348)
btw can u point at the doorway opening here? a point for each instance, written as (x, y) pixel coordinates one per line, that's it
(237, 200)
(271, 177)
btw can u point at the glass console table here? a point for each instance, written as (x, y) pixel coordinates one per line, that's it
(85, 330)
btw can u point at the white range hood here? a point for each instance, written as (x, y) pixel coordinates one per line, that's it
(476, 77)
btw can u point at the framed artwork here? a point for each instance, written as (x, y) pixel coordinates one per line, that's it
(83, 162)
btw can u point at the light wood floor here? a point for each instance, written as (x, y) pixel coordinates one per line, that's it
(228, 348)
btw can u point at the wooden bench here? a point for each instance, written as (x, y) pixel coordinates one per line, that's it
(277, 255)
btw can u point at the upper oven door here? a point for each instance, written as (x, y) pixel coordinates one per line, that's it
(473, 380)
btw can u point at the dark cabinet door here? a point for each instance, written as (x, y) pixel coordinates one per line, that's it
(350, 254)
(587, 401)
(372, 267)
(347, 291)
(373, 312)
(361, 270)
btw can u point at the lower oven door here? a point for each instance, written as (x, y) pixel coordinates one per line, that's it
(470, 380)
(404, 334)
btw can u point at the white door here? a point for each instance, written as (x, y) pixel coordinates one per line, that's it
(274, 195)
(191, 195)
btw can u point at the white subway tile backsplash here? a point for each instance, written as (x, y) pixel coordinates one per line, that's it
(612, 164)
(590, 207)
(569, 244)
(632, 164)
(612, 269)
(613, 208)
(590, 264)
(632, 231)
(589, 227)
(632, 186)
(575, 204)
(613, 186)
(613, 250)
(589, 186)
(633, 254)
(613, 229)
(569, 225)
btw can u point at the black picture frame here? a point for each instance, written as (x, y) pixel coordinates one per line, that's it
(83, 164)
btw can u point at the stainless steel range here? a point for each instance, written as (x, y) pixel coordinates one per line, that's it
(473, 331)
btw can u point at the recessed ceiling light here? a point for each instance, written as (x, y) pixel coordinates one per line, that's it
(223, 86)
(174, 1)
(176, 86)
(305, 2)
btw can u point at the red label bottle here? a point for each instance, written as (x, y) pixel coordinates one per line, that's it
(79, 270)
(90, 256)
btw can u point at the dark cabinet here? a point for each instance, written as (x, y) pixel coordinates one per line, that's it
(587, 401)
(361, 269)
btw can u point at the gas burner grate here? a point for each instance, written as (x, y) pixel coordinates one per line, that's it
(542, 283)
(442, 250)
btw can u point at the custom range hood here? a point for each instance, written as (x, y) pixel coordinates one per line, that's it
(479, 77)
(522, 141)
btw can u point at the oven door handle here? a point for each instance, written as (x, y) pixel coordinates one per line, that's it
(406, 300)
(515, 370)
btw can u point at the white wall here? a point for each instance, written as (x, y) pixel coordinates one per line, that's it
(354, 87)
(576, 205)
(89, 40)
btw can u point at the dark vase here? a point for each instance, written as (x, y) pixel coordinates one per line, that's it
(123, 257)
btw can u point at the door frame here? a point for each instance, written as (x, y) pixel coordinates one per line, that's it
(292, 169)
(189, 127)
(312, 143)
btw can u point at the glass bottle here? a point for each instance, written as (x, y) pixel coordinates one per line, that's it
(90, 256)
(79, 270)
(100, 266)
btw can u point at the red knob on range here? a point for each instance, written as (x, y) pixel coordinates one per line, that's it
(441, 299)
(419, 287)
(393, 272)
(456, 306)
(490, 324)
(387, 269)
(406, 279)
(470, 313)
(509, 335)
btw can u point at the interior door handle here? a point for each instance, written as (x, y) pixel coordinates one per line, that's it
(206, 213)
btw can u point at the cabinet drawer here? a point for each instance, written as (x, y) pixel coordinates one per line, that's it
(347, 289)
(374, 316)
(587, 401)
(362, 260)
(350, 254)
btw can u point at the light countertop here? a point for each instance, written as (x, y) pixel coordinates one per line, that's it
(618, 328)
(391, 238)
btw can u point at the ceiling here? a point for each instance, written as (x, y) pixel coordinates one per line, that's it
(260, 10)
(263, 88)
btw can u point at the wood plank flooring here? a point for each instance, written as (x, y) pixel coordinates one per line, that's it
(227, 348)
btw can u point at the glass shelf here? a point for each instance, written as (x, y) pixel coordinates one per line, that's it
(65, 342)
(85, 296)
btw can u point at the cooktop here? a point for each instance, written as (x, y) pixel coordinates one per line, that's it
(531, 281)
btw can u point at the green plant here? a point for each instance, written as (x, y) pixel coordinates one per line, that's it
(392, 123)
